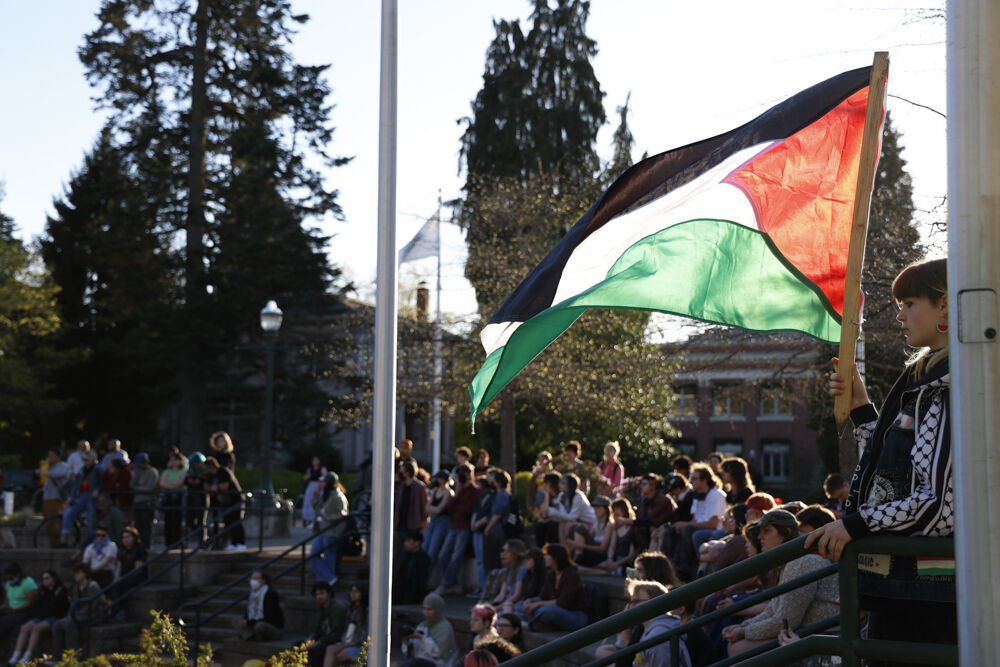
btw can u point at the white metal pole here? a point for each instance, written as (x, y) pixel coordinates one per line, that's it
(380, 553)
(437, 355)
(973, 283)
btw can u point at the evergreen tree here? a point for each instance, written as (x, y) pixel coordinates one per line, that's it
(213, 111)
(29, 323)
(224, 132)
(623, 143)
(532, 170)
(120, 287)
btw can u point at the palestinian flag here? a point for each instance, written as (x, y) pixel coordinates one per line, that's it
(748, 229)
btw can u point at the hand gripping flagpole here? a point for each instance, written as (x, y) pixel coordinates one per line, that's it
(859, 232)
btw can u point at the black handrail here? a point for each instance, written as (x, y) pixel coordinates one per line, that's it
(197, 604)
(179, 562)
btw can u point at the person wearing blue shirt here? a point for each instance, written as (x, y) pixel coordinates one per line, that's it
(494, 535)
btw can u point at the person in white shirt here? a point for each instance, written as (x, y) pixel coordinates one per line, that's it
(708, 510)
(569, 508)
(75, 460)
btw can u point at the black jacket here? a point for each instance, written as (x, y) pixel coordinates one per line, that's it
(903, 486)
(272, 610)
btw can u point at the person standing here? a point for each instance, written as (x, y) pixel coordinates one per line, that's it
(480, 517)
(903, 484)
(116, 480)
(83, 493)
(437, 507)
(114, 453)
(330, 503)
(223, 450)
(500, 508)
(54, 494)
(460, 531)
(312, 477)
(75, 459)
(172, 485)
(145, 479)
(411, 503)
(196, 498)
(227, 496)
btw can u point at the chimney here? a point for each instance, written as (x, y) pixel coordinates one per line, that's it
(423, 300)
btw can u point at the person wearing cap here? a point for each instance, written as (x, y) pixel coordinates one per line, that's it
(588, 547)
(145, 479)
(437, 507)
(330, 503)
(806, 605)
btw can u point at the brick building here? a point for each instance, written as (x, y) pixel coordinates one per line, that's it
(746, 394)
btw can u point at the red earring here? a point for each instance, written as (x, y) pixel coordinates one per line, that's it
(942, 328)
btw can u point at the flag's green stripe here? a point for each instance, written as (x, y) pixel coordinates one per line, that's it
(712, 270)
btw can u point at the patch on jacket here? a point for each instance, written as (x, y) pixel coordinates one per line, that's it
(904, 421)
(881, 492)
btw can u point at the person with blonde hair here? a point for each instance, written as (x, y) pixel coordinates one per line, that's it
(222, 449)
(903, 483)
(612, 471)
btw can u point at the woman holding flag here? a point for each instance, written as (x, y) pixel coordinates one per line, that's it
(903, 483)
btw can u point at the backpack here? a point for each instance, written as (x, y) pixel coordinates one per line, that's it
(513, 523)
(351, 543)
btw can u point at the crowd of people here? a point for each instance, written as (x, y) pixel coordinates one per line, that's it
(118, 491)
(654, 532)
(703, 517)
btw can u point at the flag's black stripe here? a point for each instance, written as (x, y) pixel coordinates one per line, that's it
(657, 175)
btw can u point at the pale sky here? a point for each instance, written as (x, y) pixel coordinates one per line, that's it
(694, 69)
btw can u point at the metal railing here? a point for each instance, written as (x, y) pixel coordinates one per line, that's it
(179, 562)
(360, 518)
(848, 645)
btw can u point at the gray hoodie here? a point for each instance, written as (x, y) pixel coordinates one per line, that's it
(659, 655)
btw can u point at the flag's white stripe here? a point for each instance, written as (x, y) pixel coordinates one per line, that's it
(497, 334)
(704, 197)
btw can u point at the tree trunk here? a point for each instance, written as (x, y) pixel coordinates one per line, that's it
(192, 378)
(508, 438)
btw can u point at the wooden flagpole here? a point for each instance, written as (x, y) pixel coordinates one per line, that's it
(859, 232)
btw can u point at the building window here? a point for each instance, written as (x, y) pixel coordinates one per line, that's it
(775, 402)
(727, 401)
(686, 401)
(688, 447)
(776, 461)
(728, 447)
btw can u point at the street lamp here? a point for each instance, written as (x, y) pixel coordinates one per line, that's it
(270, 322)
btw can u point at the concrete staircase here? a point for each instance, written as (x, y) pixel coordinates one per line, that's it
(297, 604)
